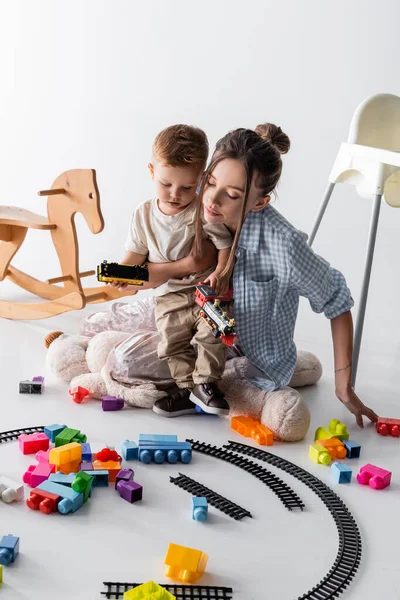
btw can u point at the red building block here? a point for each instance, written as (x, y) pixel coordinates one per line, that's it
(388, 427)
(78, 393)
(46, 502)
(30, 443)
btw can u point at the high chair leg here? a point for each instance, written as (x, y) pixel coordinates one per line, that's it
(321, 213)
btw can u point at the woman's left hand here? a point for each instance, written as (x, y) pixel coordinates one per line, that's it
(355, 406)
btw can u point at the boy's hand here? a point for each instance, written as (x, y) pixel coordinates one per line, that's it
(118, 284)
(219, 284)
(353, 403)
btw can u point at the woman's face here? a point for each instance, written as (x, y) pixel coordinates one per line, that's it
(224, 192)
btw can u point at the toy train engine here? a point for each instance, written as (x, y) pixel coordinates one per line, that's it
(215, 314)
(114, 272)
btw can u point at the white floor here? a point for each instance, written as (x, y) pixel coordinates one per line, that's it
(276, 554)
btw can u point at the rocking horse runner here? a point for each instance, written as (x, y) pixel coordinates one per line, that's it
(73, 191)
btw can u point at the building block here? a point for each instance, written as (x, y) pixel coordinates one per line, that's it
(107, 454)
(109, 403)
(68, 435)
(335, 429)
(65, 455)
(386, 426)
(129, 450)
(199, 509)
(185, 564)
(83, 483)
(160, 452)
(42, 500)
(39, 379)
(334, 446)
(86, 452)
(30, 387)
(71, 501)
(375, 477)
(249, 427)
(155, 437)
(36, 474)
(113, 468)
(353, 449)
(1, 573)
(67, 468)
(100, 478)
(148, 591)
(86, 466)
(319, 455)
(130, 491)
(30, 443)
(43, 456)
(9, 549)
(63, 479)
(78, 393)
(52, 431)
(10, 491)
(341, 473)
(124, 475)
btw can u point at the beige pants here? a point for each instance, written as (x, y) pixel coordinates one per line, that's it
(181, 327)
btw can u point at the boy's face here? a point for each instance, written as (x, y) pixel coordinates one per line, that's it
(175, 186)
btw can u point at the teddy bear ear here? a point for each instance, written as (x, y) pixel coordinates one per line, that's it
(50, 337)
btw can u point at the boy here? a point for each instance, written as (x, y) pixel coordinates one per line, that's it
(162, 230)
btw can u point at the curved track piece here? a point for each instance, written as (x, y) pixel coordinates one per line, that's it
(181, 592)
(10, 436)
(284, 492)
(223, 504)
(349, 552)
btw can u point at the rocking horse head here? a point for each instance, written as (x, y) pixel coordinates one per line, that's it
(75, 191)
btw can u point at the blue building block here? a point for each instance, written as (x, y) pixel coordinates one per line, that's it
(63, 479)
(86, 452)
(352, 448)
(9, 549)
(160, 452)
(199, 509)
(53, 430)
(155, 437)
(71, 501)
(341, 473)
(129, 450)
(100, 478)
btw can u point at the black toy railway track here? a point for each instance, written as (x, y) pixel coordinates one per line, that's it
(223, 504)
(349, 552)
(181, 592)
(9, 436)
(286, 495)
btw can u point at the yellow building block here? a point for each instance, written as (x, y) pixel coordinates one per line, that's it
(1, 573)
(335, 429)
(185, 564)
(63, 455)
(319, 454)
(148, 591)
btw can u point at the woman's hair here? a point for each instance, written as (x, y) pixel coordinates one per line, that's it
(259, 151)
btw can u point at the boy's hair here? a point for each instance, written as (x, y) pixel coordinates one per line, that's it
(181, 146)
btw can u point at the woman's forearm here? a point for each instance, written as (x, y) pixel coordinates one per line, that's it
(342, 336)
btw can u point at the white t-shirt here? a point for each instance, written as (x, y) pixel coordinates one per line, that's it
(167, 238)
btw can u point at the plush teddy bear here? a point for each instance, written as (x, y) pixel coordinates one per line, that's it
(90, 363)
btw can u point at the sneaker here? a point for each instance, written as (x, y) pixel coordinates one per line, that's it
(175, 405)
(210, 398)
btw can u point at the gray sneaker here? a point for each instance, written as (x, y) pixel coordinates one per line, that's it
(210, 398)
(175, 405)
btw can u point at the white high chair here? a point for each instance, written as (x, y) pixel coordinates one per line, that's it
(369, 160)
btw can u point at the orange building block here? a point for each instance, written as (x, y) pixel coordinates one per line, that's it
(185, 564)
(335, 447)
(111, 466)
(67, 468)
(249, 427)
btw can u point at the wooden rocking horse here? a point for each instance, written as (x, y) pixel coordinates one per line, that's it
(72, 192)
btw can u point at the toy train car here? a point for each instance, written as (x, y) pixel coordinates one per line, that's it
(214, 314)
(130, 274)
(163, 448)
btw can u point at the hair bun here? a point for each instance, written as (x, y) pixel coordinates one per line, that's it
(274, 134)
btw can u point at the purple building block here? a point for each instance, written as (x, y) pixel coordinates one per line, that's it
(124, 475)
(130, 491)
(39, 379)
(111, 403)
(86, 466)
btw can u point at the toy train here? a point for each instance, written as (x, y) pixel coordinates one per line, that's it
(214, 314)
(114, 272)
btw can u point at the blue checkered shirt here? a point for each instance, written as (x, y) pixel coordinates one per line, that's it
(274, 267)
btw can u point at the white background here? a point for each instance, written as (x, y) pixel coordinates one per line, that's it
(88, 84)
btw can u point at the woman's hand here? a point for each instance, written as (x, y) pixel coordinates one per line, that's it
(353, 403)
